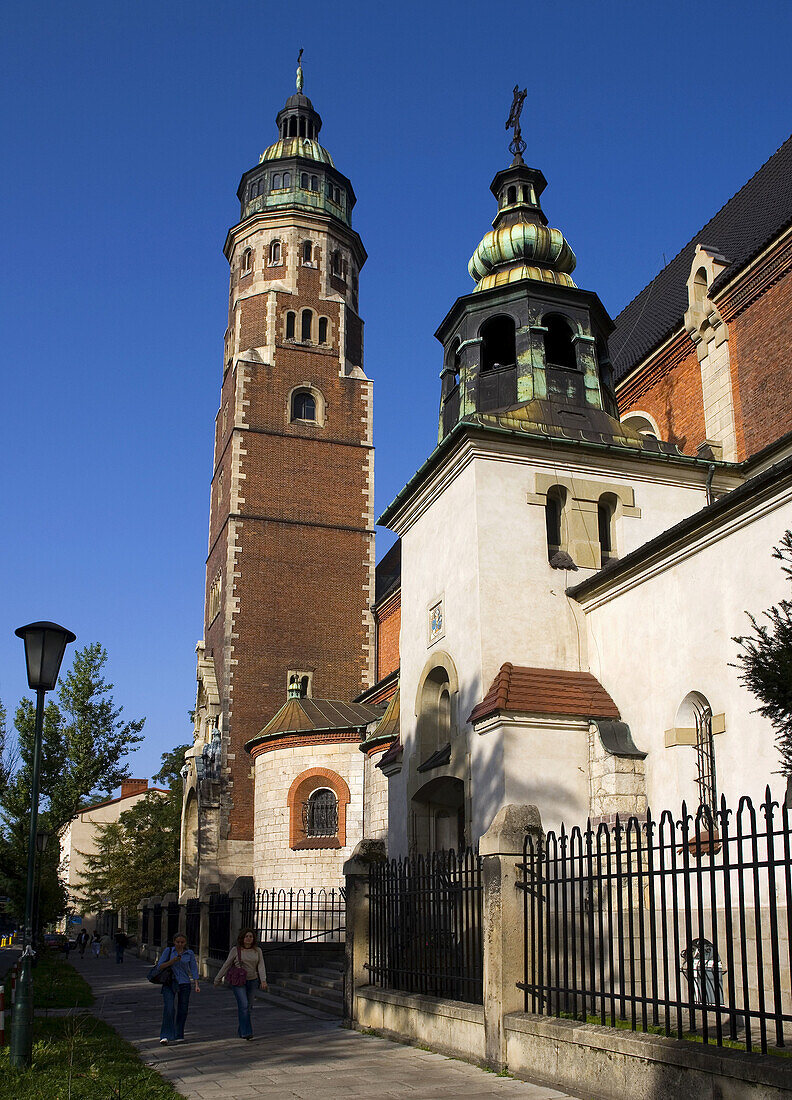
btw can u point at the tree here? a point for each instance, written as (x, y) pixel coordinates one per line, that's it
(84, 743)
(766, 662)
(138, 856)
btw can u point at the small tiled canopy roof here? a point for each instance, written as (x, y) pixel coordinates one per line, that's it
(304, 715)
(545, 691)
(388, 727)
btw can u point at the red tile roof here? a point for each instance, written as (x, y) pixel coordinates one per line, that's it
(545, 691)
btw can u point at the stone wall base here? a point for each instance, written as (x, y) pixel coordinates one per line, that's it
(449, 1027)
(607, 1064)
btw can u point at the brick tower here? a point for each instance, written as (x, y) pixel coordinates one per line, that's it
(289, 571)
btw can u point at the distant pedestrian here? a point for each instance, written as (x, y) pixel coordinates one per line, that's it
(247, 957)
(120, 943)
(176, 995)
(96, 945)
(105, 943)
(83, 939)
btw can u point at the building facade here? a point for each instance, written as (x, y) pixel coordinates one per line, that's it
(289, 573)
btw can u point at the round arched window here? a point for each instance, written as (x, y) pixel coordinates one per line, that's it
(320, 813)
(303, 406)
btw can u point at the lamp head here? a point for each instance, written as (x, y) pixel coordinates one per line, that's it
(45, 644)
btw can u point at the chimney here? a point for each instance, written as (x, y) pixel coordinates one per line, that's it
(133, 786)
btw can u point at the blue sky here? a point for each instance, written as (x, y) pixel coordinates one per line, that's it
(124, 133)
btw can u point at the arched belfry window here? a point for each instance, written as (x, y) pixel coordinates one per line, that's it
(336, 265)
(247, 261)
(305, 181)
(511, 196)
(291, 317)
(498, 345)
(314, 179)
(287, 179)
(307, 253)
(303, 406)
(321, 813)
(554, 519)
(322, 338)
(559, 348)
(700, 287)
(306, 322)
(274, 253)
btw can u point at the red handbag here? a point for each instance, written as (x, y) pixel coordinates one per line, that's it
(237, 975)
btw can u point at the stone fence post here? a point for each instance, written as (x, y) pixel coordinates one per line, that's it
(242, 885)
(501, 848)
(356, 871)
(203, 939)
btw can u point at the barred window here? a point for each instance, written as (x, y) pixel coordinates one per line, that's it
(320, 814)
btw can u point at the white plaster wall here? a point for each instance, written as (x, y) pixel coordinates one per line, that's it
(657, 639)
(474, 539)
(275, 864)
(546, 765)
(375, 788)
(79, 839)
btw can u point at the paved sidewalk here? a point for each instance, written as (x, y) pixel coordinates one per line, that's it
(291, 1056)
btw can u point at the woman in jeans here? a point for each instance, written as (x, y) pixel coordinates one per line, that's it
(246, 954)
(176, 995)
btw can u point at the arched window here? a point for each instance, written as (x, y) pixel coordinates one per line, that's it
(277, 180)
(695, 714)
(700, 287)
(304, 181)
(307, 253)
(306, 322)
(311, 132)
(526, 194)
(275, 253)
(336, 265)
(321, 813)
(287, 179)
(247, 261)
(641, 423)
(314, 179)
(290, 320)
(606, 514)
(554, 513)
(497, 343)
(293, 127)
(559, 349)
(434, 715)
(322, 330)
(302, 127)
(511, 196)
(303, 406)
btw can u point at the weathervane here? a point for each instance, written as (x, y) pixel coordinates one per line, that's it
(299, 72)
(516, 145)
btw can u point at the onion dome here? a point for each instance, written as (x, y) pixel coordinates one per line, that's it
(520, 244)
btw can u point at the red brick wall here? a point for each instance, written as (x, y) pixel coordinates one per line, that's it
(388, 627)
(760, 339)
(668, 387)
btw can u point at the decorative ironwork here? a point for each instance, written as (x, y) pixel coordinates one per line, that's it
(219, 926)
(683, 925)
(516, 145)
(296, 916)
(156, 929)
(425, 929)
(705, 756)
(320, 814)
(192, 928)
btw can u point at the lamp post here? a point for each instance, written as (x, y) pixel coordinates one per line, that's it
(45, 644)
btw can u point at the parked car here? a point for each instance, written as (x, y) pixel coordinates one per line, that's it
(55, 941)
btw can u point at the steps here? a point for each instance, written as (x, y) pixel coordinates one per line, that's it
(317, 991)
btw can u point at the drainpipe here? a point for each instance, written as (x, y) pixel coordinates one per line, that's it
(710, 475)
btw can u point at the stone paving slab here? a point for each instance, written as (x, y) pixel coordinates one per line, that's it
(291, 1057)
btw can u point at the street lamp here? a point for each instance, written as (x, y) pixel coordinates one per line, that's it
(45, 644)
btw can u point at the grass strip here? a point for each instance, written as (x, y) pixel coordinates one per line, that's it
(78, 1057)
(56, 984)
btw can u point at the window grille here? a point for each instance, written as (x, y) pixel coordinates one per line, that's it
(320, 814)
(705, 758)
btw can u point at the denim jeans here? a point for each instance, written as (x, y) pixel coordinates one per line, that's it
(175, 999)
(119, 954)
(244, 1000)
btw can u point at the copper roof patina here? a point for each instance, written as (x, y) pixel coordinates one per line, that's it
(387, 729)
(307, 715)
(545, 691)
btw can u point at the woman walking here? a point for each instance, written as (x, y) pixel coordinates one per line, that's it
(96, 945)
(245, 956)
(176, 995)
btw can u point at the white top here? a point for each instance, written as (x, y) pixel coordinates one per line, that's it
(252, 960)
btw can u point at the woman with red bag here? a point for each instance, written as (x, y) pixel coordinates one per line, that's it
(243, 970)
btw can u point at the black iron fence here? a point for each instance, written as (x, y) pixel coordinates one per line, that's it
(192, 928)
(219, 926)
(681, 926)
(173, 920)
(296, 916)
(144, 925)
(156, 925)
(425, 929)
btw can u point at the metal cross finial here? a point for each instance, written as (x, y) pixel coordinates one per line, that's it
(299, 72)
(516, 145)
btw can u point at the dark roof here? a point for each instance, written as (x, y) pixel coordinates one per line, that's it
(305, 715)
(763, 483)
(545, 691)
(739, 231)
(387, 575)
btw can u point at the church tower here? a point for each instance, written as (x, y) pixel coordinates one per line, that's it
(290, 564)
